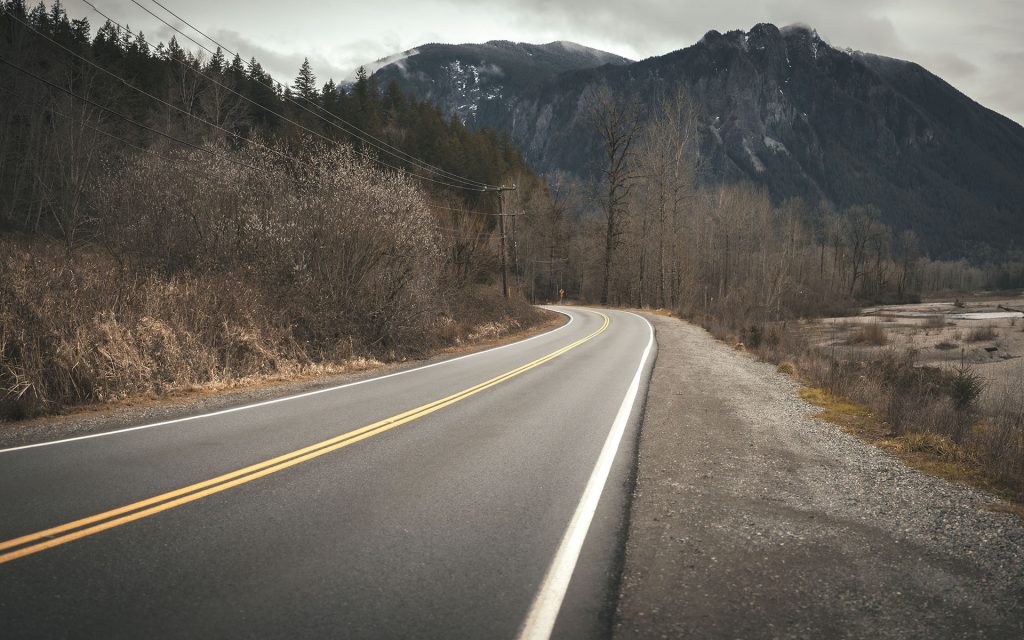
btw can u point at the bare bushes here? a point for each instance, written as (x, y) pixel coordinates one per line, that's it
(982, 334)
(870, 334)
(347, 252)
(212, 270)
(984, 421)
(77, 328)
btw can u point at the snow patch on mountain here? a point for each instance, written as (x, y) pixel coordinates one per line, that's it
(472, 83)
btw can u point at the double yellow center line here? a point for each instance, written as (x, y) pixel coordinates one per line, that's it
(54, 536)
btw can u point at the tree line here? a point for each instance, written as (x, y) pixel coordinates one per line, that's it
(108, 94)
(649, 232)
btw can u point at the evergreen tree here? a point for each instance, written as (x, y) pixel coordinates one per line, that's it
(329, 96)
(80, 31)
(237, 69)
(255, 72)
(17, 9)
(218, 63)
(305, 82)
(174, 51)
(367, 101)
(140, 46)
(106, 46)
(39, 18)
(393, 102)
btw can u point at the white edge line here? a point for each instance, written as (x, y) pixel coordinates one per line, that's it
(294, 397)
(540, 621)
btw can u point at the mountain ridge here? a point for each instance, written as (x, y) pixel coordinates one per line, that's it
(788, 111)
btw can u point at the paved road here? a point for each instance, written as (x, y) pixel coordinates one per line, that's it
(371, 510)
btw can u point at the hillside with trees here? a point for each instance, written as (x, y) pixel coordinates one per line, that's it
(171, 216)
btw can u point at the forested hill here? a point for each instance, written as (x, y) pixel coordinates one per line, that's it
(172, 219)
(123, 93)
(784, 109)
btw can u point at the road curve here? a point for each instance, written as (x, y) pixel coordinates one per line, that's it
(480, 497)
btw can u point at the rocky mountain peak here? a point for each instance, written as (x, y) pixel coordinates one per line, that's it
(779, 107)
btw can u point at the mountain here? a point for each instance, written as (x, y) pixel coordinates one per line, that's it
(779, 107)
(479, 81)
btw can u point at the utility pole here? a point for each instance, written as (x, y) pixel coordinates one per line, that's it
(501, 231)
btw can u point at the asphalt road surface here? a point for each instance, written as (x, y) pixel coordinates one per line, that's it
(480, 497)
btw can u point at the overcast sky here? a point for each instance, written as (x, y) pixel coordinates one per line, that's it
(977, 46)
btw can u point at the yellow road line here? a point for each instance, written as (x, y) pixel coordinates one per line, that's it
(191, 493)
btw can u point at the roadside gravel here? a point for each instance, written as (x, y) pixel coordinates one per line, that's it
(752, 519)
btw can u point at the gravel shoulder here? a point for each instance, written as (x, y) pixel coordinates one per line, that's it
(752, 519)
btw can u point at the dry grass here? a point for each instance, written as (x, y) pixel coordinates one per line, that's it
(987, 453)
(851, 416)
(982, 334)
(871, 334)
(78, 330)
(788, 367)
(927, 452)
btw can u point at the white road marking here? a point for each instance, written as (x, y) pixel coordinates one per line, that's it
(293, 397)
(540, 621)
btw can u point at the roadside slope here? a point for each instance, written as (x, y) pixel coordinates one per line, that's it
(751, 518)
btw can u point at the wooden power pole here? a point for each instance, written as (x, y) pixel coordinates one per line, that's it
(501, 232)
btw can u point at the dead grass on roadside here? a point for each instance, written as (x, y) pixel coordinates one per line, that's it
(850, 416)
(930, 453)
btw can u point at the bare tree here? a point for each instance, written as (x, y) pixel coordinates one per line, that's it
(667, 163)
(617, 122)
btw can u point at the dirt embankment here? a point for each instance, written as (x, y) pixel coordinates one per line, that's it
(752, 519)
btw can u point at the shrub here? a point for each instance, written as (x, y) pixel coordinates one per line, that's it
(788, 368)
(964, 390)
(982, 334)
(871, 334)
(212, 273)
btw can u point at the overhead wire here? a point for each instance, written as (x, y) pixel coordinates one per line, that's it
(125, 82)
(228, 132)
(168, 136)
(179, 109)
(126, 118)
(355, 131)
(175, 161)
(110, 135)
(195, 70)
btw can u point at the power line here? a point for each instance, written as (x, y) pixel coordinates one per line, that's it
(167, 135)
(179, 109)
(129, 143)
(171, 160)
(349, 124)
(264, 107)
(369, 139)
(202, 120)
(149, 95)
(126, 118)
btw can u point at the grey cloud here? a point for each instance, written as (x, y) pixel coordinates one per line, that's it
(285, 66)
(956, 40)
(964, 42)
